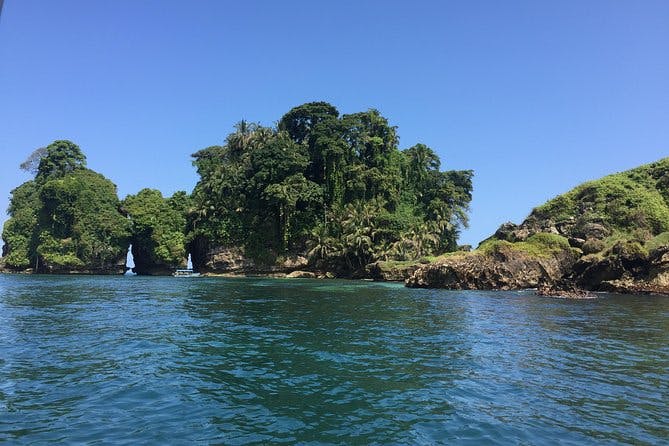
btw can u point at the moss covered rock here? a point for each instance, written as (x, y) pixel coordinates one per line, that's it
(608, 234)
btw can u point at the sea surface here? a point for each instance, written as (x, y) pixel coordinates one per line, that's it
(141, 360)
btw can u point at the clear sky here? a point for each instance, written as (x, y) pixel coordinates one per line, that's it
(534, 96)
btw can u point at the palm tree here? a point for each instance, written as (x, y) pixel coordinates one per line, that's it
(399, 250)
(422, 160)
(322, 246)
(359, 230)
(424, 239)
(239, 141)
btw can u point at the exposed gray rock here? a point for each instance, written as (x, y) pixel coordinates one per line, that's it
(565, 290)
(295, 262)
(512, 232)
(391, 271)
(502, 269)
(591, 231)
(227, 260)
(301, 275)
(576, 242)
(624, 268)
(234, 261)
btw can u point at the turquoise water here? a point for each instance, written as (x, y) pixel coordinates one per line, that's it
(132, 360)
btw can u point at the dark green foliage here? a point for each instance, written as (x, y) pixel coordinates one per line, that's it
(68, 218)
(253, 192)
(301, 121)
(20, 231)
(158, 229)
(82, 206)
(335, 186)
(60, 158)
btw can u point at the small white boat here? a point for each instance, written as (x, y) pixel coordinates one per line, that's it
(185, 273)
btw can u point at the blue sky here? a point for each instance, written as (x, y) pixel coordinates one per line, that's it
(535, 97)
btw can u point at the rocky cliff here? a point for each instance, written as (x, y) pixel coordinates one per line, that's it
(611, 234)
(234, 261)
(499, 265)
(391, 271)
(625, 269)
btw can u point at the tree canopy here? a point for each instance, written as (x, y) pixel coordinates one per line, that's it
(334, 185)
(336, 188)
(158, 230)
(58, 159)
(67, 218)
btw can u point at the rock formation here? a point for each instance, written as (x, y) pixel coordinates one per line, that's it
(234, 261)
(501, 268)
(391, 271)
(610, 234)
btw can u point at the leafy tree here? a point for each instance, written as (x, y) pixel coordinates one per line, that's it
(67, 218)
(80, 211)
(422, 164)
(20, 231)
(301, 121)
(60, 158)
(335, 187)
(158, 230)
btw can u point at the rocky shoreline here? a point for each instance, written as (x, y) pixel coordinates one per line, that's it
(545, 261)
(455, 275)
(623, 269)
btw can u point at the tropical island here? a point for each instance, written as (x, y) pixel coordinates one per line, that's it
(329, 195)
(318, 192)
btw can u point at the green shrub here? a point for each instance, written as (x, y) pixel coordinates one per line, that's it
(637, 199)
(542, 244)
(492, 245)
(658, 241)
(627, 249)
(592, 246)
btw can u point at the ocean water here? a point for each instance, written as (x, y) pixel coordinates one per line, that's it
(133, 360)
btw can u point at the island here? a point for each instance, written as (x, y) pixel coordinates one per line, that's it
(318, 194)
(328, 195)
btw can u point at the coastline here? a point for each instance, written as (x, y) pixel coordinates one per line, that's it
(565, 291)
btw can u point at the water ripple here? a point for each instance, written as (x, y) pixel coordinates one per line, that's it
(248, 361)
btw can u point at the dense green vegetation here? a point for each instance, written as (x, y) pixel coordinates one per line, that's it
(627, 211)
(638, 198)
(633, 206)
(158, 230)
(537, 245)
(66, 218)
(334, 187)
(20, 231)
